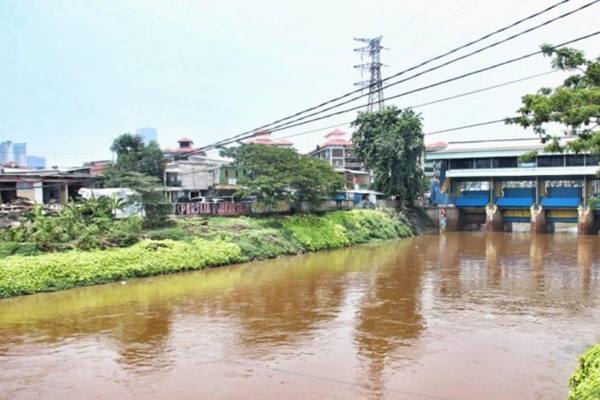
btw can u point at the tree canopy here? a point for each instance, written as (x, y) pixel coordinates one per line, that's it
(575, 104)
(135, 156)
(140, 167)
(390, 142)
(275, 174)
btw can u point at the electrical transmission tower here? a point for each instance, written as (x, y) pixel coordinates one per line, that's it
(372, 50)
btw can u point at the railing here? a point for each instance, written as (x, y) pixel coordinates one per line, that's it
(211, 208)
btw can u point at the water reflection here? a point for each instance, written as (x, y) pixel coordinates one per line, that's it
(389, 317)
(367, 316)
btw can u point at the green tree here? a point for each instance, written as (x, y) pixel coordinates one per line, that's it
(575, 104)
(134, 155)
(390, 142)
(274, 174)
(140, 167)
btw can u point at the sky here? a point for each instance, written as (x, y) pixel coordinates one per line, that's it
(75, 74)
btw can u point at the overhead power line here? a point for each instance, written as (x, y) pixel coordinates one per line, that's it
(352, 99)
(464, 94)
(457, 128)
(455, 78)
(454, 50)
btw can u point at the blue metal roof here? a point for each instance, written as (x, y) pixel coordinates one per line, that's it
(471, 201)
(514, 202)
(560, 202)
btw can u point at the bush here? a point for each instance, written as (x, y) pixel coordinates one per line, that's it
(222, 241)
(585, 381)
(15, 248)
(259, 244)
(316, 233)
(175, 233)
(25, 275)
(84, 225)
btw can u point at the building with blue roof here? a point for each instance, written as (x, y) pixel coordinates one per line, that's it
(479, 177)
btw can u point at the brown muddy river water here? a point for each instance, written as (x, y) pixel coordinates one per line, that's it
(456, 317)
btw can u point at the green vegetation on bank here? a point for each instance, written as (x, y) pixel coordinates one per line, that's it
(585, 381)
(84, 225)
(196, 244)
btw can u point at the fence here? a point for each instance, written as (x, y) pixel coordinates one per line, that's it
(233, 209)
(230, 209)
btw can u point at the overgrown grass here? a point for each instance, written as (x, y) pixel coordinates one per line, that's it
(25, 275)
(585, 381)
(196, 243)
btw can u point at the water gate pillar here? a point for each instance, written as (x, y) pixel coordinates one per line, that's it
(493, 218)
(539, 222)
(585, 221)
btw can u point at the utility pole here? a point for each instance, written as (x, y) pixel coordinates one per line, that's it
(373, 51)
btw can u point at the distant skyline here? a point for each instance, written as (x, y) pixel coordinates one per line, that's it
(81, 73)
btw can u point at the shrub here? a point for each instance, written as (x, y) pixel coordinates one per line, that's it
(585, 381)
(25, 275)
(259, 244)
(11, 248)
(175, 233)
(316, 233)
(84, 225)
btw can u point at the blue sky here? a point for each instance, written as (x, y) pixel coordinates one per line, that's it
(74, 74)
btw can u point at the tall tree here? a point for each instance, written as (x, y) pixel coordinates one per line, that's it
(140, 167)
(275, 174)
(390, 142)
(134, 155)
(575, 104)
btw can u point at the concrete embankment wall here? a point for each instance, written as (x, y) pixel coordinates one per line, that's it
(537, 219)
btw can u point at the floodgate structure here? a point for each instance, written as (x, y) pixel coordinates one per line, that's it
(488, 184)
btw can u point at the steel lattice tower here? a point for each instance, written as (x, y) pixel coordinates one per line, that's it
(373, 51)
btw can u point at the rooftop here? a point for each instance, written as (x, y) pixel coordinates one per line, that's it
(484, 148)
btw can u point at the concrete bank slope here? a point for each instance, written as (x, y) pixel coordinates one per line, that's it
(201, 243)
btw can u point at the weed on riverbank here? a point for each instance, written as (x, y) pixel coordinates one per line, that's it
(198, 243)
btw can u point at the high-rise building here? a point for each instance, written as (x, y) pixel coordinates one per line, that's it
(36, 162)
(20, 154)
(6, 152)
(148, 134)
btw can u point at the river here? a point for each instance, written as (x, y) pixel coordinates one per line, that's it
(453, 317)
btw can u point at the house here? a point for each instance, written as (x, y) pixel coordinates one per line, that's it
(201, 176)
(42, 187)
(183, 151)
(337, 151)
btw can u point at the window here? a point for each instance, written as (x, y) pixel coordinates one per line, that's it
(575, 159)
(551, 161)
(564, 183)
(474, 185)
(337, 152)
(592, 160)
(526, 183)
(482, 163)
(226, 173)
(461, 163)
(505, 162)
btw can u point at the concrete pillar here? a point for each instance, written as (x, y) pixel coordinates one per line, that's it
(38, 192)
(539, 222)
(452, 219)
(493, 218)
(64, 194)
(585, 221)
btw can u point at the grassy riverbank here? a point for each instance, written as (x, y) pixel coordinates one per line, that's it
(585, 382)
(199, 243)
